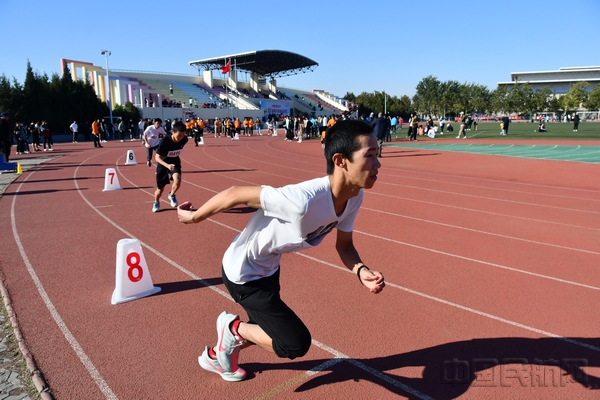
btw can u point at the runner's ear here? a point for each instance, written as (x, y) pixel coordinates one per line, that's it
(339, 160)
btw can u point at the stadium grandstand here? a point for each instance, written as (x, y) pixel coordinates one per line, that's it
(238, 85)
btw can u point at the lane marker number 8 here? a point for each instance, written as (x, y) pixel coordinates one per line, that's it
(139, 272)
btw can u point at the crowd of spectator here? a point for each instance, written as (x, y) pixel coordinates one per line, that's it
(35, 133)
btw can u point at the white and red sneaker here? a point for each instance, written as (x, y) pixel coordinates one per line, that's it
(212, 365)
(228, 344)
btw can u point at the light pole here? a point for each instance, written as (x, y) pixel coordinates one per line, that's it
(384, 103)
(107, 53)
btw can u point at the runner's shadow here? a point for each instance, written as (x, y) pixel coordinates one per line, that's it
(27, 192)
(447, 371)
(182, 286)
(61, 179)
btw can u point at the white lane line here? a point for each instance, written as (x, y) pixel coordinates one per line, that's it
(335, 352)
(483, 232)
(477, 134)
(416, 172)
(463, 178)
(366, 368)
(496, 318)
(322, 346)
(578, 155)
(464, 308)
(408, 177)
(450, 183)
(466, 259)
(484, 211)
(493, 199)
(381, 194)
(483, 314)
(83, 357)
(490, 264)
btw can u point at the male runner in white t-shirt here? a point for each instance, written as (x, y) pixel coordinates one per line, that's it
(151, 137)
(288, 219)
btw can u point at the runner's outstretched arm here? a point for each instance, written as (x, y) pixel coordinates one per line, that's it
(235, 195)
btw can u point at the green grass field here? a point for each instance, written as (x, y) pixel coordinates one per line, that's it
(520, 130)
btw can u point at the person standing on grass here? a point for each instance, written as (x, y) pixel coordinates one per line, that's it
(575, 122)
(463, 126)
(442, 122)
(168, 164)
(505, 123)
(414, 123)
(289, 219)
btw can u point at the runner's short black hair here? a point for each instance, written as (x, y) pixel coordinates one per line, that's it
(343, 138)
(178, 127)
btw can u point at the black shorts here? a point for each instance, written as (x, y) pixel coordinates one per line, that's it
(260, 299)
(165, 175)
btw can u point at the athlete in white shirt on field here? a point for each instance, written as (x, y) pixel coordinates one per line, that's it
(288, 219)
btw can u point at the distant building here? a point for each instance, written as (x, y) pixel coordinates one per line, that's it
(559, 81)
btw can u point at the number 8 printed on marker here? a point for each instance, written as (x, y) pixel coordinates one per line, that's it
(132, 267)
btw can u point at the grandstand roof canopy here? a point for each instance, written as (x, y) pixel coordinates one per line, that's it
(273, 63)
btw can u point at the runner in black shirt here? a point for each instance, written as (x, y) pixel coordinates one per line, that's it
(168, 164)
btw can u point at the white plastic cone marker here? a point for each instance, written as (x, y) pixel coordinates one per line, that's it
(201, 141)
(111, 180)
(130, 158)
(133, 280)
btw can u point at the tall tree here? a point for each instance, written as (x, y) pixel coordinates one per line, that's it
(575, 97)
(541, 98)
(521, 99)
(593, 100)
(449, 93)
(427, 94)
(554, 105)
(479, 101)
(500, 99)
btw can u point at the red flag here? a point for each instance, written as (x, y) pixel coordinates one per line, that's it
(225, 69)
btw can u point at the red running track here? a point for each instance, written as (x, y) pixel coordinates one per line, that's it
(491, 264)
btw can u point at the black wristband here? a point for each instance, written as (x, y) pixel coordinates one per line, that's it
(358, 273)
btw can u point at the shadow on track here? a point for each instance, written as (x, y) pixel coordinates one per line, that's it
(174, 287)
(449, 370)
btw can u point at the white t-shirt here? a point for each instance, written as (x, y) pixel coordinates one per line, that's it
(152, 133)
(292, 218)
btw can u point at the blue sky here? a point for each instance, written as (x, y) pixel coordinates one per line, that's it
(360, 46)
